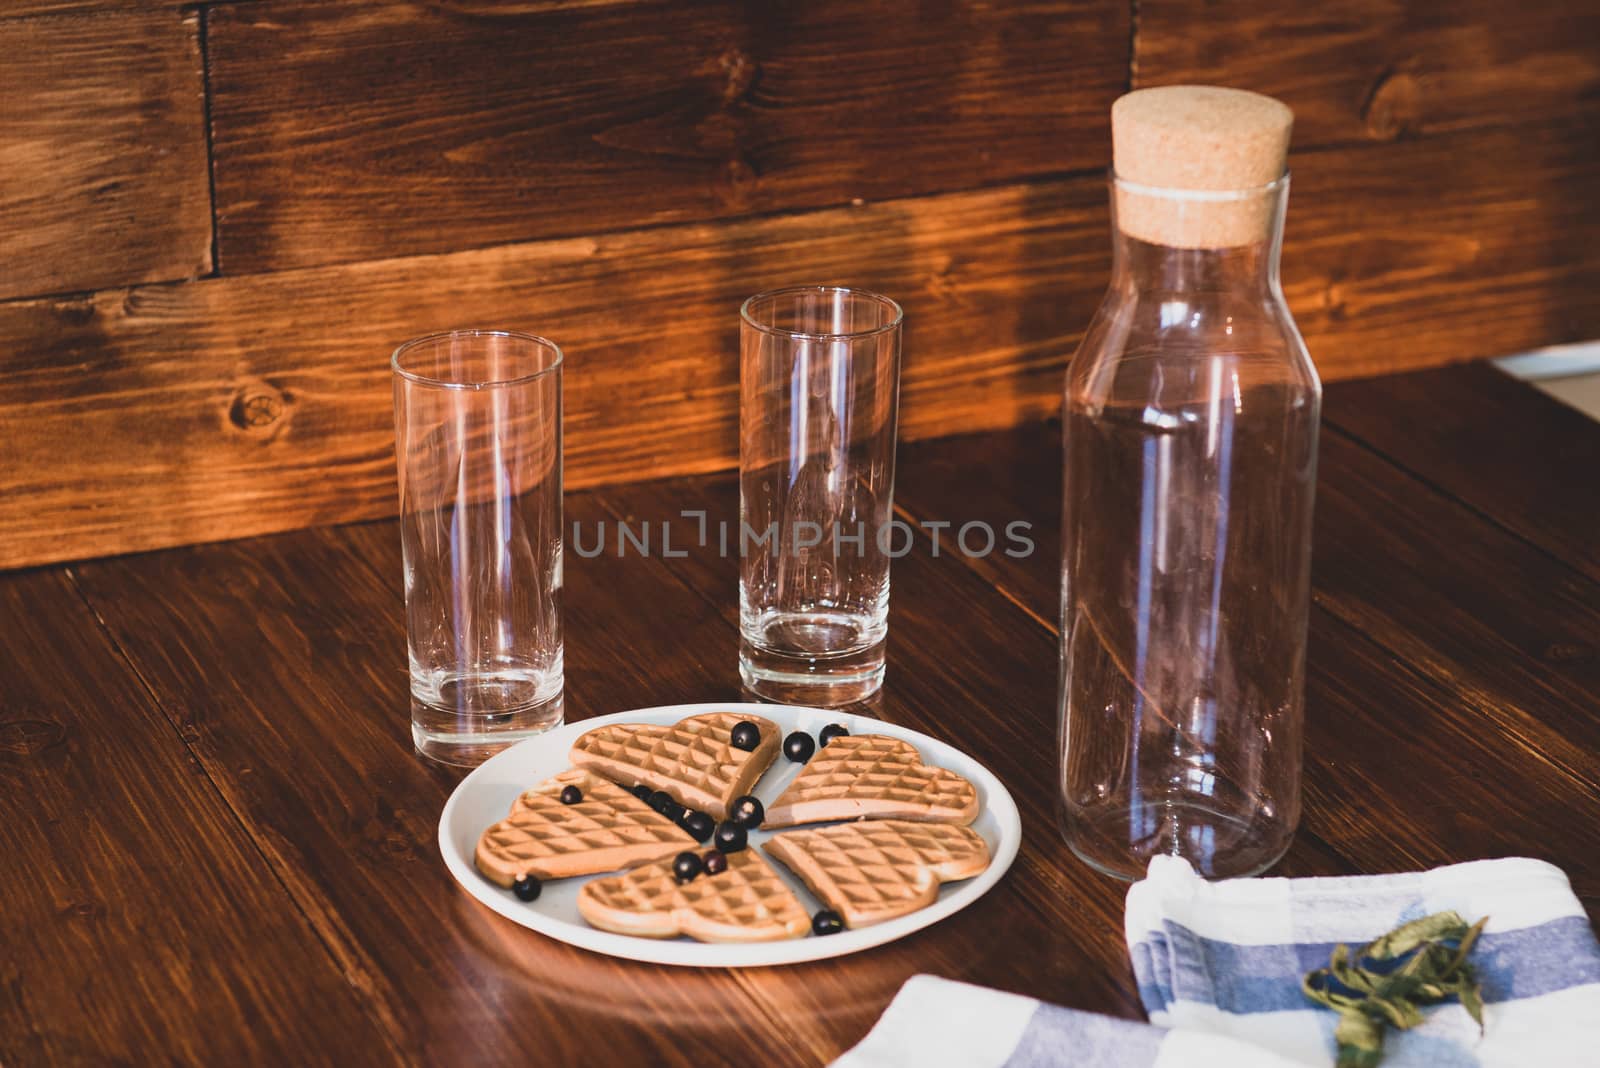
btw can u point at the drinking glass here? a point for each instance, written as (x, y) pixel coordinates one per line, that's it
(478, 445)
(819, 382)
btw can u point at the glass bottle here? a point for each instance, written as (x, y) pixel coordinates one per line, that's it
(1190, 429)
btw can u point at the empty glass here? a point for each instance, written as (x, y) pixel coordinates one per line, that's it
(819, 383)
(478, 444)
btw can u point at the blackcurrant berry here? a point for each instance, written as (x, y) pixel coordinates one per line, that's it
(799, 746)
(746, 736)
(826, 922)
(685, 866)
(730, 837)
(747, 812)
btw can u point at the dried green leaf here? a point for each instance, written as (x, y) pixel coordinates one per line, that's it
(1472, 1001)
(1397, 1011)
(1419, 963)
(1330, 998)
(1360, 1040)
(1407, 937)
(1468, 940)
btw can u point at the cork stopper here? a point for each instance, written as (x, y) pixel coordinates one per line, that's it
(1220, 146)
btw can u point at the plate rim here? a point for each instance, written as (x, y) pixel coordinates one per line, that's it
(679, 952)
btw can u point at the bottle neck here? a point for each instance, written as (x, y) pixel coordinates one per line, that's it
(1176, 241)
(1141, 265)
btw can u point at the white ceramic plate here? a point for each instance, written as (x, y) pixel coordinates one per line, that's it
(485, 796)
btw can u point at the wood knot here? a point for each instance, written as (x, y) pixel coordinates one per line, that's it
(391, 834)
(30, 737)
(943, 282)
(1393, 108)
(396, 844)
(741, 173)
(258, 409)
(740, 74)
(75, 311)
(1333, 302)
(82, 910)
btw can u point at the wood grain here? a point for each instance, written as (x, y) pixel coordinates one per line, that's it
(281, 660)
(1430, 641)
(336, 742)
(141, 925)
(934, 670)
(345, 132)
(1522, 622)
(303, 727)
(103, 171)
(474, 8)
(664, 642)
(1538, 482)
(1403, 775)
(936, 676)
(238, 406)
(230, 407)
(1357, 70)
(1445, 249)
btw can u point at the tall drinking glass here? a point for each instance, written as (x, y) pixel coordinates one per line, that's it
(478, 443)
(819, 383)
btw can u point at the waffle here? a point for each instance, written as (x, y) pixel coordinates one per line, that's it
(748, 902)
(692, 760)
(876, 870)
(609, 829)
(869, 776)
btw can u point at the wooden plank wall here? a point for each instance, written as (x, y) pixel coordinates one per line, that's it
(102, 152)
(216, 220)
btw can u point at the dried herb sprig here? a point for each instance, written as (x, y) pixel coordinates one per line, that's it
(1387, 982)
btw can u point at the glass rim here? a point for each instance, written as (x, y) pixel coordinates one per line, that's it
(807, 335)
(493, 383)
(1203, 196)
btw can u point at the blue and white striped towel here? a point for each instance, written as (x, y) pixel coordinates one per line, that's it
(1219, 968)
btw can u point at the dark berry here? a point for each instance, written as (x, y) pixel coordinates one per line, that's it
(730, 837)
(571, 795)
(685, 866)
(746, 736)
(642, 792)
(527, 888)
(716, 863)
(799, 746)
(830, 732)
(663, 803)
(747, 812)
(699, 825)
(826, 922)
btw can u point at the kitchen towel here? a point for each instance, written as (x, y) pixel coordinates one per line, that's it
(1219, 967)
(937, 1023)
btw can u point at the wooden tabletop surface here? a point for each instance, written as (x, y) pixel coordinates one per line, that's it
(219, 846)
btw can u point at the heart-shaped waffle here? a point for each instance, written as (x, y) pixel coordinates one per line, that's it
(748, 902)
(876, 870)
(870, 776)
(609, 829)
(692, 760)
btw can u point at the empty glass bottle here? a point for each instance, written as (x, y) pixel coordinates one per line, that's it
(1190, 414)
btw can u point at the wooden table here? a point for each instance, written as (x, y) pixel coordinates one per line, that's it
(219, 847)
